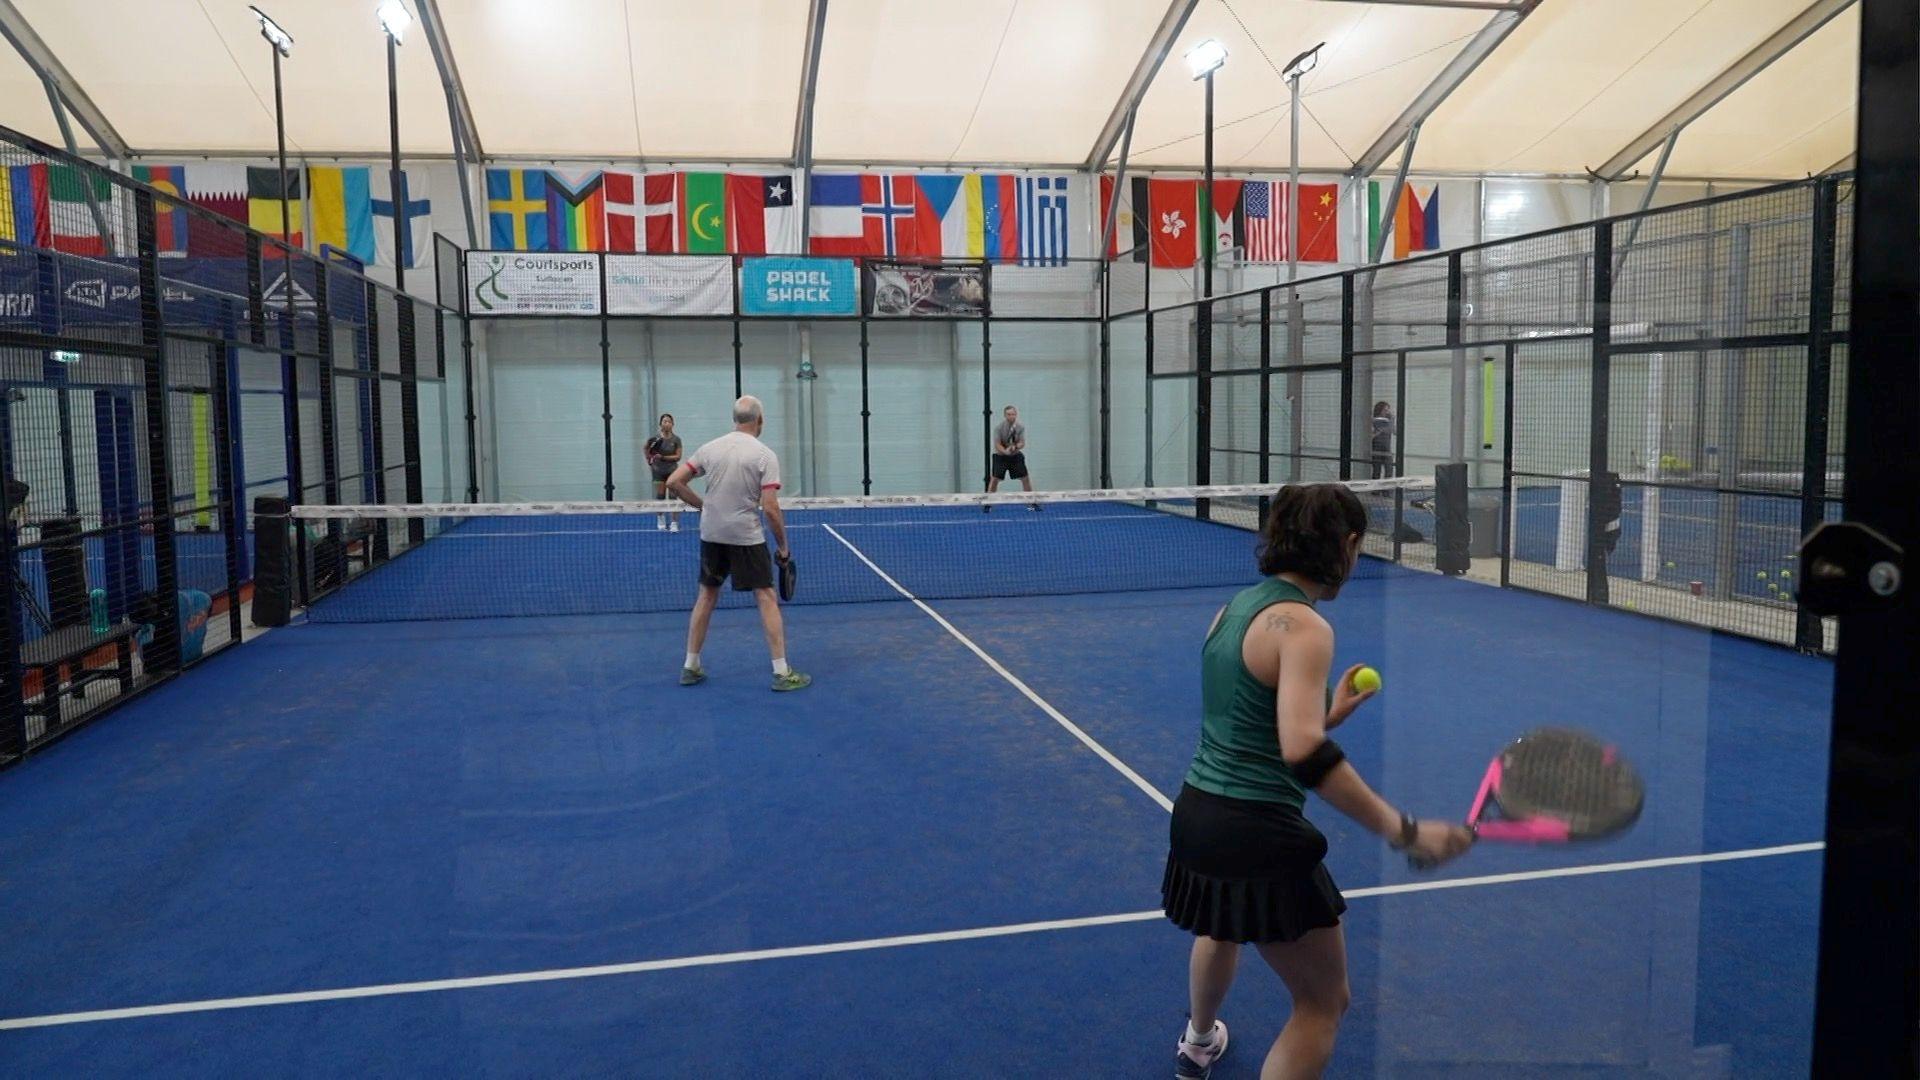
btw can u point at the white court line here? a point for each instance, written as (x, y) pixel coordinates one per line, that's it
(1005, 519)
(863, 945)
(1122, 767)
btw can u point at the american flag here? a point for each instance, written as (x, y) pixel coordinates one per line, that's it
(1266, 221)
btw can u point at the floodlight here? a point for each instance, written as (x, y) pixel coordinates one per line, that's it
(277, 37)
(1205, 58)
(394, 19)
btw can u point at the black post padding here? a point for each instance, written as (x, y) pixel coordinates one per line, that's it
(272, 568)
(66, 563)
(1451, 530)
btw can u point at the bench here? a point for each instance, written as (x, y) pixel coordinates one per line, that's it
(68, 647)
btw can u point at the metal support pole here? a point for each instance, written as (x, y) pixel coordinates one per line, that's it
(399, 182)
(1599, 408)
(866, 413)
(1106, 371)
(1112, 209)
(1393, 201)
(1346, 377)
(1507, 516)
(1266, 396)
(1203, 326)
(1646, 201)
(161, 656)
(1293, 178)
(280, 138)
(467, 391)
(1733, 396)
(1809, 632)
(606, 387)
(986, 390)
(1457, 399)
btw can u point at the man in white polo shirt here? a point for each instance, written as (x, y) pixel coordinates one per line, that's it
(743, 482)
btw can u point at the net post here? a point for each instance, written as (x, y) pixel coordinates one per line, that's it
(162, 656)
(866, 411)
(1809, 631)
(1346, 376)
(1599, 407)
(606, 385)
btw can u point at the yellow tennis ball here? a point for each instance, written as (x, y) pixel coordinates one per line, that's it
(1366, 681)
(1762, 575)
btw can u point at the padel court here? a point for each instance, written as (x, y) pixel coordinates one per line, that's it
(512, 845)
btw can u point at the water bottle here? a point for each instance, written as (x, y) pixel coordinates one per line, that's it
(97, 605)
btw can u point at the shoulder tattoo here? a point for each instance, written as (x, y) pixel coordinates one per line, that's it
(1280, 621)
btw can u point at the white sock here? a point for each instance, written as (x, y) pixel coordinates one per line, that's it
(1195, 1037)
(780, 665)
(693, 659)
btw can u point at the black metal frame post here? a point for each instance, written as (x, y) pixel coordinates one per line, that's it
(466, 367)
(1106, 372)
(370, 385)
(606, 383)
(1266, 391)
(1203, 324)
(223, 426)
(1346, 376)
(1600, 408)
(1399, 450)
(739, 385)
(329, 447)
(1506, 472)
(410, 413)
(13, 711)
(1809, 633)
(866, 413)
(161, 656)
(1869, 984)
(986, 387)
(399, 181)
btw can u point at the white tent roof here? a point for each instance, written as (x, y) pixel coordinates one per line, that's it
(1001, 82)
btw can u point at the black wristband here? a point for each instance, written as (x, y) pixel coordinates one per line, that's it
(1409, 832)
(1312, 770)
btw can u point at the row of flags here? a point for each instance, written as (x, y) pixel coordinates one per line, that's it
(1177, 223)
(951, 216)
(351, 208)
(1007, 218)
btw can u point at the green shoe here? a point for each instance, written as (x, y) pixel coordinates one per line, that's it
(792, 680)
(692, 676)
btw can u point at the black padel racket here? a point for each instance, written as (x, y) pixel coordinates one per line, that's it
(789, 578)
(1553, 785)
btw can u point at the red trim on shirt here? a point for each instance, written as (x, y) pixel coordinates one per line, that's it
(769, 487)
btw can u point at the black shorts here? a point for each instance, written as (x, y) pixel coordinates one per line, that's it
(1240, 870)
(1009, 465)
(663, 469)
(749, 565)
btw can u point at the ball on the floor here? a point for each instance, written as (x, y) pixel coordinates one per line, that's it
(1366, 680)
(1786, 573)
(1772, 587)
(1762, 575)
(1671, 565)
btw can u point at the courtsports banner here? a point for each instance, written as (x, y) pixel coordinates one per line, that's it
(905, 290)
(519, 283)
(798, 286)
(669, 285)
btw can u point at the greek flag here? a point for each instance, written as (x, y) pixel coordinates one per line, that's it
(1043, 220)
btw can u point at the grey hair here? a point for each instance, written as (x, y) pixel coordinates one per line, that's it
(747, 410)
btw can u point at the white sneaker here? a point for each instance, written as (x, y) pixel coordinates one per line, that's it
(1195, 1061)
(673, 526)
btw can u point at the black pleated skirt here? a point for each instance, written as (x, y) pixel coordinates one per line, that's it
(1246, 871)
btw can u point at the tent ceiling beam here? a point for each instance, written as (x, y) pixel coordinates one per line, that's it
(1716, 90)
(809, 83)
(1470, 57)
(1158, 46)
(434, 27)
(34, 50)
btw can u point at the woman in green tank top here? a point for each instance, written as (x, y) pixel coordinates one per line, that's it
(1244, 864)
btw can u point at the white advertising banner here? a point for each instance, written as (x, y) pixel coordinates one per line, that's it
(669, 285)
(533, 283)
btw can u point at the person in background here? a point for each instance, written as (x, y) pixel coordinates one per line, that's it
(663, 456)
(1009, 455)
(1382, 440)
(743, 482)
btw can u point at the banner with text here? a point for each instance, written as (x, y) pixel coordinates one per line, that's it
(901, 290)
(509, 283)
(798, 286)
(669, 285)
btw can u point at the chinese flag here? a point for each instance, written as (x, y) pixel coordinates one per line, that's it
(1319, 223)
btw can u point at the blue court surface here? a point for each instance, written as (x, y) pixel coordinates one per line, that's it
(515, 847)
